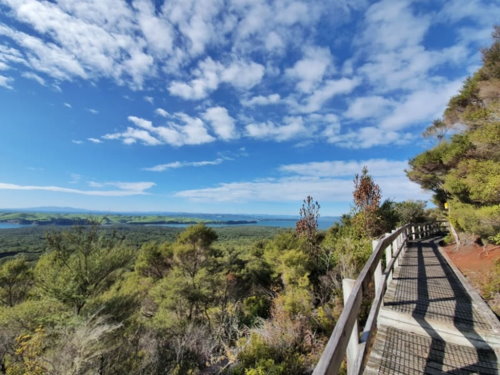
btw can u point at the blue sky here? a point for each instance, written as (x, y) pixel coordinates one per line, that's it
(237, 106)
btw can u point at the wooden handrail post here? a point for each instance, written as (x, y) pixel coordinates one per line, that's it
(377, 274)
(353, 345)
(389, 253)
(395, 247)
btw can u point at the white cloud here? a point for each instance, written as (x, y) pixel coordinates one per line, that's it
(261, 100)
(132, 135)
(67, 105)
(243, 74)
(222, 123)
(328, 90)
(206, 80)
(309, 71)
(369, 136)
(419, 106)
(210, 74)
(161, 112)
(186, 130)
(5, 82)
(94, 140)
(391, 24)
(368, 107)
(293, 127)
(149, 99)
(157, 31)
(183, 164)
(76, 141)
(34, 77)
(124, 189)
(294, 189)
(93, 111)
(337, 168)
(138, 187)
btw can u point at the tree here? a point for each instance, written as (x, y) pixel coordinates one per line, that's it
(16, 279)
(410, 212)
(307, 226)
(367, 197)
(438, 129)
(464, 171)
(80, 264)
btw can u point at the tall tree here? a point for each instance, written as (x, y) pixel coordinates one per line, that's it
(81, 264)
(307, 225)
(464, 170)
(367, 197)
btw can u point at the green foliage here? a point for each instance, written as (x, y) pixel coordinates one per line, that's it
(475, 181)
(491, 58)
(464, 171)
(410, 212)
(81, 265)
(483, 221)
(15, 281)
(145, 300)
(154, 259)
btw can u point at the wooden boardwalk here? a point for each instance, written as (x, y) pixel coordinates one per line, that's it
(431, 322)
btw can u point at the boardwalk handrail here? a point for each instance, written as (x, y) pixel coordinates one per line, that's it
(392, 244)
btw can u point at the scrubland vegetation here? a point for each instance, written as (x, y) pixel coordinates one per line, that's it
(197, 301)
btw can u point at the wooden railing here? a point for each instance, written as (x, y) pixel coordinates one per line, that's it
(346, 340)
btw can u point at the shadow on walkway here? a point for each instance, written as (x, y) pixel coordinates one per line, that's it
(463, 317)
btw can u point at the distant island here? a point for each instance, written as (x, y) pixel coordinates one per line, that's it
(49, 218)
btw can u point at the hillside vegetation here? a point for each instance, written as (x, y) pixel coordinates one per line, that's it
(463, 170)
(192, 302)
(37, 218)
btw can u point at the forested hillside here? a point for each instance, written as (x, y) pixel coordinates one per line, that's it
(93, 303)
(463, 169)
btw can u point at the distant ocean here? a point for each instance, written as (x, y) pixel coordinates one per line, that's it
(323, 223)
(10, 226)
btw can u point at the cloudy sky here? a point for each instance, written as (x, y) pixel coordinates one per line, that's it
(230, 106)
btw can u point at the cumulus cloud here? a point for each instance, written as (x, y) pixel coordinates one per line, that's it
(209, 74)
(293, 127)
(328, 90)
(368, 107)
(421, 105)
(206, 80)
(309, 71)
(261, 100)
(161, 112)
(122, 188)
(222, 123)
(182, 130)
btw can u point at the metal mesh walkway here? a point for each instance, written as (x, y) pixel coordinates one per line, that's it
(428, 295)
